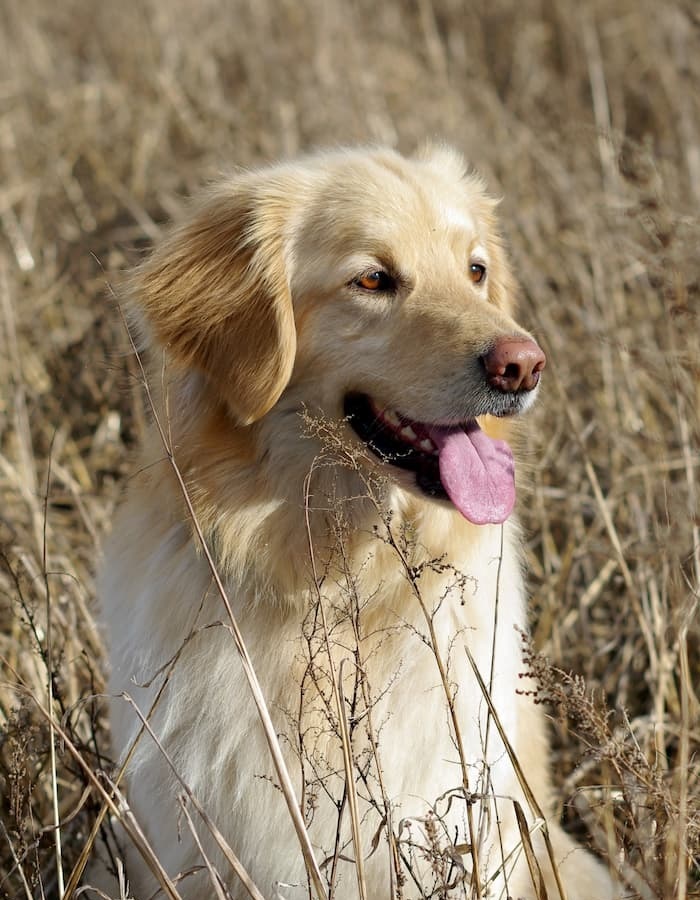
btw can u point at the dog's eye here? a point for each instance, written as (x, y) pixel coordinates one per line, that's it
(377, 282)
(477, 272)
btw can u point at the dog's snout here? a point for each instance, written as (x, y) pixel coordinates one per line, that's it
(514, 364)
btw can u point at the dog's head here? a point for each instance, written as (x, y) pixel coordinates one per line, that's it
(366, 286)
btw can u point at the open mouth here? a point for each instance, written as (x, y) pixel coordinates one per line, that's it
(457, 463)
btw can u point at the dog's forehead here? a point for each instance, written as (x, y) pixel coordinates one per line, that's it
(397, 202)
(402, 189)
(456, 216)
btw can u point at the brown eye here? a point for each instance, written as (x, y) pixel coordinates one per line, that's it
(376, 281)
(477, 272)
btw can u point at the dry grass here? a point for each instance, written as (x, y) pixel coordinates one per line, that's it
(585, 116)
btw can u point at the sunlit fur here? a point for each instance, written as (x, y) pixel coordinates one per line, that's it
(251, 317)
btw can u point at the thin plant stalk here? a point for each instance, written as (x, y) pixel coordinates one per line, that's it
(49, 691)
(340, 705)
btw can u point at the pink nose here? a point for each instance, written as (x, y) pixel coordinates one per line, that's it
(514, 364)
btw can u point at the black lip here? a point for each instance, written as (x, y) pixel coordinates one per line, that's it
(386, 446)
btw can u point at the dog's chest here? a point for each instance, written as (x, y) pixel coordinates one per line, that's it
(383, 663)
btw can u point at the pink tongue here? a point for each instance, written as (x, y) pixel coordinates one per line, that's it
(477, 473)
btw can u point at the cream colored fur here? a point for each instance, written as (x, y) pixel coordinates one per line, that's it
(251, 316)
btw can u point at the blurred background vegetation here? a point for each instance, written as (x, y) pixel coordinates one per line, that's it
(584, 116)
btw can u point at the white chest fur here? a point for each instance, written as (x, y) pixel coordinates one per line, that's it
(395, 635)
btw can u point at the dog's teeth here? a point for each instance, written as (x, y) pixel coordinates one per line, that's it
(391, 418)
(427, 445)
(408, 433)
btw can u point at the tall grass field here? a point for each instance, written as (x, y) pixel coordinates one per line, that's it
(584, 116)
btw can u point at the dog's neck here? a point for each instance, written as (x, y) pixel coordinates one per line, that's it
(291, 488)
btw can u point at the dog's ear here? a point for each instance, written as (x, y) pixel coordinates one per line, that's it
(216, 295)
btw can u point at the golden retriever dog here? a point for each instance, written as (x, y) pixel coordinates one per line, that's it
(336, 369)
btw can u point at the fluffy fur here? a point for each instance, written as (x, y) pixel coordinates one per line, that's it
(259, 329)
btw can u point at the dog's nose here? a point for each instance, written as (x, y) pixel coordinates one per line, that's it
(514, 364)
